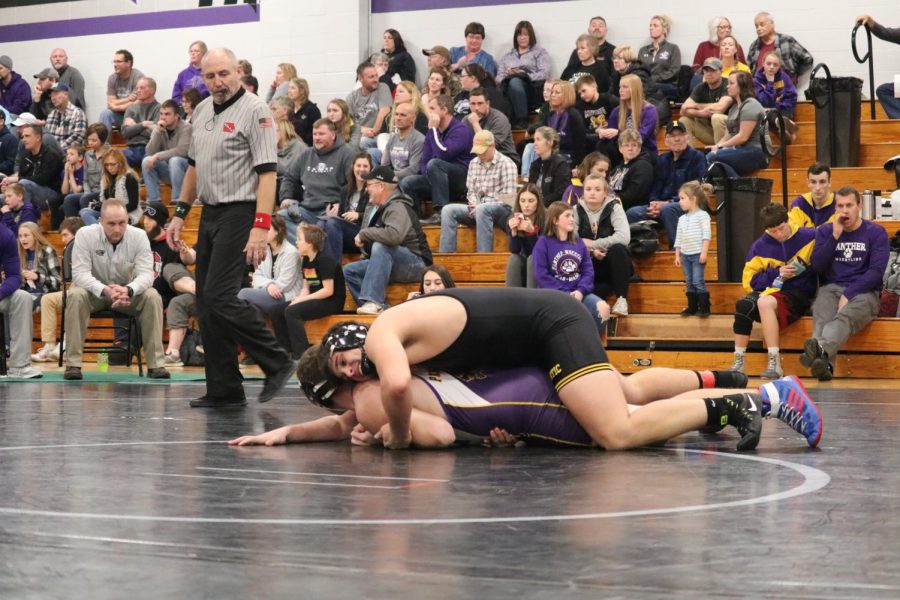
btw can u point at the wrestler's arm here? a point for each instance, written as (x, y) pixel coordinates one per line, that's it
(386, 350)
(327, 429)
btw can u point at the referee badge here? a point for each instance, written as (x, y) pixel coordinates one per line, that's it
(228, 127)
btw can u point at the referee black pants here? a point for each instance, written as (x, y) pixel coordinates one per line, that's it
(226, 320)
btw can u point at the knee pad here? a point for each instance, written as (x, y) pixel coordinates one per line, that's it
(744, 311)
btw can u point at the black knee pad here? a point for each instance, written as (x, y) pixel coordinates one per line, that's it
(744, 312)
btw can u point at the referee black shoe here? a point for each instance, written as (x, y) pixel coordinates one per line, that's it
(214, 402)
(276, 381)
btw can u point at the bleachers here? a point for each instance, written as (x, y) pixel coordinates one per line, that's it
(654, 330)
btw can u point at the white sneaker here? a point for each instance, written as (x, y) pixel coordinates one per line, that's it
(172, 359)
(620, 308)
(738, 364)
(28, 372)
(54, 352)
(369, 308)
(43, 354)
(773, 368)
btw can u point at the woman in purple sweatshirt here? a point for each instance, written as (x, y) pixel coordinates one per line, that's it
(562, 262)
(633, 112)
(774, 87)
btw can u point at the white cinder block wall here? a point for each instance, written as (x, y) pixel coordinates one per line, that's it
(327, 38)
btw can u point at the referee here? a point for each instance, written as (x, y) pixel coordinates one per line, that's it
(231, 169)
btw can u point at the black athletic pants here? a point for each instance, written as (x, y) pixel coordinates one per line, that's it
(226, 320)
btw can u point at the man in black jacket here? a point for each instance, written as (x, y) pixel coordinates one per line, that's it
(40, 170)
(9, 145)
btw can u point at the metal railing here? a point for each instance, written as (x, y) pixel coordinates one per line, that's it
(862, 59)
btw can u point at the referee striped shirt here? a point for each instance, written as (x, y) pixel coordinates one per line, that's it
(232, 144)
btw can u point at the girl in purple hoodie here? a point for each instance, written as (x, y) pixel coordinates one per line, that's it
(562, 261)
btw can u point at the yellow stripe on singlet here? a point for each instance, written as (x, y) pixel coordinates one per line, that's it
(594, 368)
(492, 404)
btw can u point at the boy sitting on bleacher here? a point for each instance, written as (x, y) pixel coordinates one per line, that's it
(780, 283)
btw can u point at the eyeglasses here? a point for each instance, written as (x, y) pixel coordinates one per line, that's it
(110, 164)
(724, 27)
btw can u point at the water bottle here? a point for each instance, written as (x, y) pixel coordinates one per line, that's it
(778, 283)
(103, 361)
(869, 205)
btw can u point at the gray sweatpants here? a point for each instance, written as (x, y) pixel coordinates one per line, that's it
(19, 306)
(833, 328)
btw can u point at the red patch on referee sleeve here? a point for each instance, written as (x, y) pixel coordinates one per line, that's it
(228, 127)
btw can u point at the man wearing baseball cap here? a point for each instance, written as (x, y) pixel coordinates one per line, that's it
(491, 188)
(15, 95)
(393, 244)
(66, 122)
(41, 105)
(439, 58)
(709, 98)
(682, 163)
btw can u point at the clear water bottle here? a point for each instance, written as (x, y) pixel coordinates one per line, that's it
(103, 361)
(778, 283)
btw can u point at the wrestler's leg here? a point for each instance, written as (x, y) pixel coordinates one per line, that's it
(657, 383)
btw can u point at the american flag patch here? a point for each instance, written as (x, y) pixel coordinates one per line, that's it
(265, 122)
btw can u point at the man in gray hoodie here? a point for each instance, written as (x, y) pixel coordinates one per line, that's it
(315, 179)
(393, 241)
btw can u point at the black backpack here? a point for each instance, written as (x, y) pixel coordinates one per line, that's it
(644, 239)
(191, 350)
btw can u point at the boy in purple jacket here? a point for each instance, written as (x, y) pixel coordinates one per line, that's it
(851, 255)
(445, 160)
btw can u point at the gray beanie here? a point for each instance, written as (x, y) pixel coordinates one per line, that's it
(6, 62)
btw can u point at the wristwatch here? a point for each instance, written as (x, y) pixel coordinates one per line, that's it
(130, 291)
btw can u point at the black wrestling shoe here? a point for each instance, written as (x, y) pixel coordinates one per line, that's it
(731, 379)
(276, 381)
(744, 413)
(213, 402)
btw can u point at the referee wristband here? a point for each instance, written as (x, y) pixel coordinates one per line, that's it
(262, 221)
(182, 209)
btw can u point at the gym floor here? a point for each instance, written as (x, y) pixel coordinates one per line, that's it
(122, 491)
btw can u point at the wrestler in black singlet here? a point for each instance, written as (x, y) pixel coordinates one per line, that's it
(517, 326)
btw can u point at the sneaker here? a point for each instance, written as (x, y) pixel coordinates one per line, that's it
(172, 359)
(369, 308)
(773, 368)
(738, 364)
(815, 358)
(54, 352)
(434, 219)
(795, 407)
(43, 354)
(28, 372)
(620, 308)
(731, 379)
(744, 413)
(72, 374)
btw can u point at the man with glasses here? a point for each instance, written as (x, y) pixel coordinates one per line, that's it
(120, 89)
(393, 243)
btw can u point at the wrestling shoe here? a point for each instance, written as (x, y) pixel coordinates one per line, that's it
(816, 359)
(792, 404)
(738, 365)
(743, 412)
(773, 368)
(731, 379)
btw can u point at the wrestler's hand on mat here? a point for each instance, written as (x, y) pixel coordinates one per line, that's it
(360, 436)
(500, 438)
(256, 246)
(276, 437)
(392, 441)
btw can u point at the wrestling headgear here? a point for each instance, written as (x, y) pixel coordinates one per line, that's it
(321, 393)
(348, 336)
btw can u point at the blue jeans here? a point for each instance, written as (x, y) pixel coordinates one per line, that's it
(296, 214)
(591, 301)
(528, 157)
(134, 155)
(367, 279)
(885, 94)
(668, 216)
(739, 160)
(339, 236)
(262, 300)
(517, 92)
(693, 273)
(37, 194)
(170, 171)
(486, 216)
(73, 203)
(370, 145)
(442, 181)
(89, 216)
(112, 118)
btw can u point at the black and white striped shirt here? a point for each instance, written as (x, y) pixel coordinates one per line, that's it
(232, 144)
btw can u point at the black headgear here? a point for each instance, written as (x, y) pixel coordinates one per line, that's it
(348, 336)
(321, 393)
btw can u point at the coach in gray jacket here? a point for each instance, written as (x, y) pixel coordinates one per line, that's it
(112, 267)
